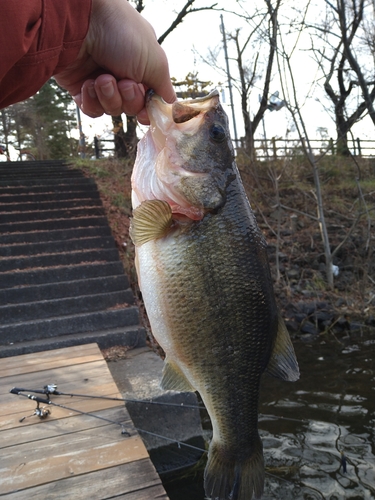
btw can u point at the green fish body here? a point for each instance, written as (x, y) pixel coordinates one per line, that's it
(205, 280)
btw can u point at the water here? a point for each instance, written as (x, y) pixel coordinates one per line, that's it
(305, 426)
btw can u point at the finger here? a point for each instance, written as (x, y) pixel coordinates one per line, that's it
(90, 104)
(133, 96)
(108, 94)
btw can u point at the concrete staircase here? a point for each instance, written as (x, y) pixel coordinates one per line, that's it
(61, 279)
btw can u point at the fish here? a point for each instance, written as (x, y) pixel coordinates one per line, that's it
(205, 280)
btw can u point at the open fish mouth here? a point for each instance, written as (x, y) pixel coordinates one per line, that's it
(187, 115)
(177, 160)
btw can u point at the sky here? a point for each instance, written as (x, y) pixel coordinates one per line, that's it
(192, 40)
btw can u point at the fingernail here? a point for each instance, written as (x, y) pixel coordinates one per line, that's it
(107, 89)
(128, 93)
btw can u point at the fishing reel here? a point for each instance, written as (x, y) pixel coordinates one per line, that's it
(41, 412)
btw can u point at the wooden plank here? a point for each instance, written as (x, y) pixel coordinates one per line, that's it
(49, 428)
(70, 455)
(39, 361)
(70, 458)
(104, 484)
(61, 446)
(71, 376)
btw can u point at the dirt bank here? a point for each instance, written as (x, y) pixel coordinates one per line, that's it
(282, 195)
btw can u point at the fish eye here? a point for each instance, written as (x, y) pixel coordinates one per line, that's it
(217, 132)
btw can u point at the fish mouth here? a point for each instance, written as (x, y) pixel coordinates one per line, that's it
(164, 116)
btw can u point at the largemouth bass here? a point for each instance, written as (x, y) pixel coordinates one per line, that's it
(205, 280)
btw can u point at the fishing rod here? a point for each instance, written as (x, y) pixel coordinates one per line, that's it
(52, 389)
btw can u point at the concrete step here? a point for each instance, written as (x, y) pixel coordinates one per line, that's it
(21, 168)
(60, 259)
(76, 288)
(132, 336)
(174, 415)
(39, 174)
(80, 185)
(42, 197)
(61, 280)
(57, 235)
(22, 164)
(15, 313)
(35, 182)
(33, 206)
(51, 247)
(67, 325)
(69, 223)
(60, 273)
(36, 215)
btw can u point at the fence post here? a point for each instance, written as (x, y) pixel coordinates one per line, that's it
(359, 146)
(331, 146)
(274, 148)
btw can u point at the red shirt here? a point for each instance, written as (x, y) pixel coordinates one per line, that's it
(38, 38)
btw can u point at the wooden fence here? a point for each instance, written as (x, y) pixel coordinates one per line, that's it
(282, 148)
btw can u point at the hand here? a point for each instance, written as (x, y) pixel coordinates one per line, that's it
(119, 59)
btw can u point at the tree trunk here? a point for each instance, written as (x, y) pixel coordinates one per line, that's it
(342, 130)
(118, 130)
(131, 139)
(249, 135)
(125, 142)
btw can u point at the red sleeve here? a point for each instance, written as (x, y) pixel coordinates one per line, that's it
(38, 38)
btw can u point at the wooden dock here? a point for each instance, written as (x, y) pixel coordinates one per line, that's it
(69, 455)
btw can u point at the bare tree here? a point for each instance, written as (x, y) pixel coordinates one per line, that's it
(272, 32)
(253, 49)
(341, 43)
(289, 90)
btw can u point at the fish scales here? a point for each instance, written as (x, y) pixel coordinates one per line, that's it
(225, 283)
(208, 293)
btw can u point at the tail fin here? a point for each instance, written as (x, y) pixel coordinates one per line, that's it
(229, 478)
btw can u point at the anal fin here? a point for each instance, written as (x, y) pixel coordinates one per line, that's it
(173, 379)
(283, 362)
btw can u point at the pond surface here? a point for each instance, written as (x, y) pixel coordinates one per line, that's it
(307, 425)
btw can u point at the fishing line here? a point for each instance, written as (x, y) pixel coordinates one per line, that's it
(52, 389)
(49, 389)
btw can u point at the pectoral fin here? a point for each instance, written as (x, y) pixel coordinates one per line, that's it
(151, 220)
(173, 379)
(283, 363)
